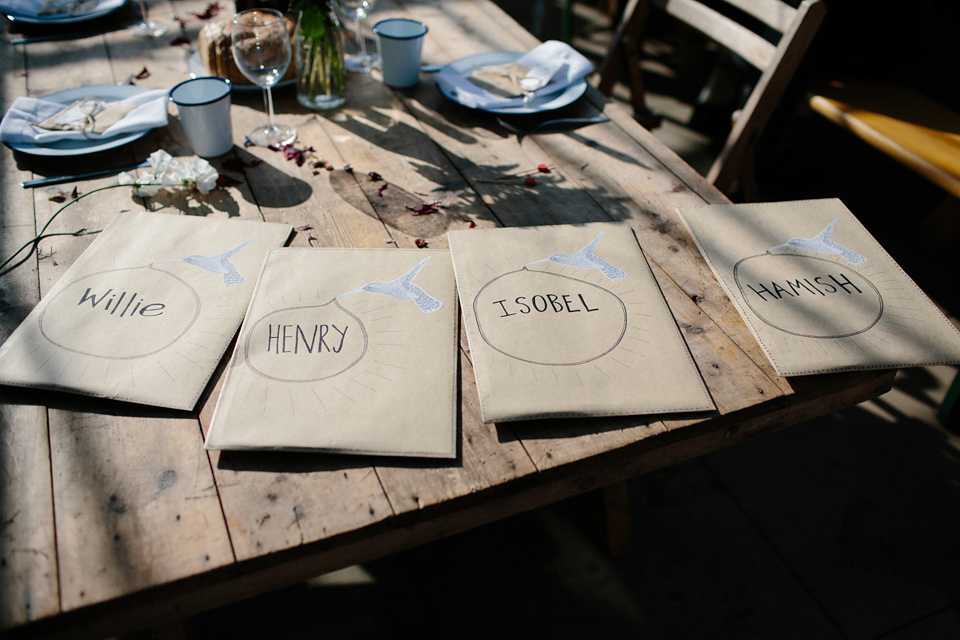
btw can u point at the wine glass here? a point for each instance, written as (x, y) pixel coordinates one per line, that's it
(358, 10)
(261, 49)
(147, 28)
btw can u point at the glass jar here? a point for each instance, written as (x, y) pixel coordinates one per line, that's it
(321, 75)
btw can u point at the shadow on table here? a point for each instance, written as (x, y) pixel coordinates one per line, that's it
(292, 462)
(573, 427)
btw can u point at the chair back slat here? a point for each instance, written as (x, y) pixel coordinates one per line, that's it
(773, 13)
(732, 35)
(776, 62)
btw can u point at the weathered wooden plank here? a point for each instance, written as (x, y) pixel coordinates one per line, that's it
(378, 135)
(618, 166)
(279, 501)
(648, 197)
(354, 492)
(134, 494)
(29, 589)
(385, 138)
(136, 504)
(485, 460)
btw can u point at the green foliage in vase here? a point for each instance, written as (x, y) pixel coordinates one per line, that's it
(321, 80)
(315, 16)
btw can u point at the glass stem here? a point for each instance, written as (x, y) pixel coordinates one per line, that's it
(361, 43)
(268, 98)
(143, 11)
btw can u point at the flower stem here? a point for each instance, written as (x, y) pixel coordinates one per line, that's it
(40, 236)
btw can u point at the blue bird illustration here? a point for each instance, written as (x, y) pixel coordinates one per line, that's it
(586, 259)
(822, 243)
(219, 263)
(403, 289)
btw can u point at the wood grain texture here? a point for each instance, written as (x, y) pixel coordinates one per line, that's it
(149, 526)
(29, 587)
(135, 500)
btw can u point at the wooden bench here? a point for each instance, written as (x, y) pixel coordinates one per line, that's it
(918, 132)
(909, 127)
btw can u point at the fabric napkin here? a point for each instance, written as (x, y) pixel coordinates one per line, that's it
(36, 8)
(555, 64)
(18, 125)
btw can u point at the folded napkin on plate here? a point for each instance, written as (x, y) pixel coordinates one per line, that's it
(549, 68)
(36, 8)
(21, 123)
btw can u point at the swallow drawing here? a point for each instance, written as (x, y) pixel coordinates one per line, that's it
(403, 289)
(586, 259)
(219, 263)
(822, 243)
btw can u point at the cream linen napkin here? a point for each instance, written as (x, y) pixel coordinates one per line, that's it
(20, 124)
(548, 68)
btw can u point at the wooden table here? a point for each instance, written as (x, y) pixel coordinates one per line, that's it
(114, 517)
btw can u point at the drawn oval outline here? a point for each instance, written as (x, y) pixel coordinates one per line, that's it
(66, 289)
(488, 342)
(253, 329)
(833, 263)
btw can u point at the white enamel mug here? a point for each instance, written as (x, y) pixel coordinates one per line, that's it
(400, 42)
(204, 108)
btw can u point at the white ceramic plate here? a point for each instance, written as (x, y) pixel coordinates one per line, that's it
(80, 147)
(103, 8)
(545, 102)
(196, 70)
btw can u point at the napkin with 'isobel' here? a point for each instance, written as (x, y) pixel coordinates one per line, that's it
(547, 69)
(39, 121)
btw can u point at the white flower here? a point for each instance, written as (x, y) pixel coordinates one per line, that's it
(203, 174)
(145, 186)
(169, 172)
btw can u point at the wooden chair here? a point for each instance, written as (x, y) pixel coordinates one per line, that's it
(794, 27)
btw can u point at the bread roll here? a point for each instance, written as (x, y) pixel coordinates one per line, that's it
(213, 44)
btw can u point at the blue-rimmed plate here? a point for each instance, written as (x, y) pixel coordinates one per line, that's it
(541, 102)
(106, 92)
(102, 8)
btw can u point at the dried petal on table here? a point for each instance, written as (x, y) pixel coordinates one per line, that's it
(212, 9)
(426, 208)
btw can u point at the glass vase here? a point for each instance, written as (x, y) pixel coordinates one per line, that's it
(321, 76)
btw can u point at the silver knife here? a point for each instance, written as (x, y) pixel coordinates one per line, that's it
(43, 182)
